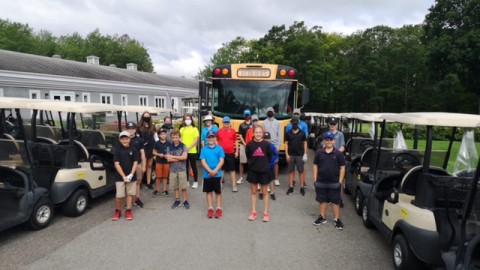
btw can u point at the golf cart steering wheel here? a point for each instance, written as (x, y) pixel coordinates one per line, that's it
(365, 144)
(405, 161)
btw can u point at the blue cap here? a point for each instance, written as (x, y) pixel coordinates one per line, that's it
(211, 133)
(329, 135)
(226, 119)
(247, 112)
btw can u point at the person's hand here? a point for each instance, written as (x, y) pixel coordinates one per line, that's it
(288, 158)
(305, 158)
(128, 178)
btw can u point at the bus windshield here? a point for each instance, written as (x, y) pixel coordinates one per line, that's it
(232, 97)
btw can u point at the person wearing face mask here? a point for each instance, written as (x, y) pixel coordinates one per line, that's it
(146, 130)
(272, 126)
(242, 136)
(167, 125)
(189, 136)
(296, 154)
(303, 126)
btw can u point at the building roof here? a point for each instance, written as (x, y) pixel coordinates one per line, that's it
(22, 62)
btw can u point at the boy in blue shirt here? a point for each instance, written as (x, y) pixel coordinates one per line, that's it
(212, 157)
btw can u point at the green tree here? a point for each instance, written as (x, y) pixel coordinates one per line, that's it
(15, 36)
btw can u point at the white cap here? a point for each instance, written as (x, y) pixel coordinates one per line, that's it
(208, 117)
(124, 133)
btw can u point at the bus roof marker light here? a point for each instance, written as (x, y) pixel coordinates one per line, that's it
(291, 73)
(224, 71)
(216, 72)
(283, 72)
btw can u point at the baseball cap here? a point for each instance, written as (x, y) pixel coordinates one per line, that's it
(332, 120)
(124, 134)
(226, 119)
(211, 133)
(266, 135)
(247, 112)
(208, 118)
(162, 130)
(295, 121)
(270, 109)
(297, 111)
(254, 117)
(131, 125)
(329, 135)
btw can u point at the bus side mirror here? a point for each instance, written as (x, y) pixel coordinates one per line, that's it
(305, 96)
(202, 90)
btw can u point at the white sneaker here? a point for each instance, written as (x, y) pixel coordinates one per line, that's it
(235, 189)
(276, 182)
(240, 181)
(195, 185)
(268, 189)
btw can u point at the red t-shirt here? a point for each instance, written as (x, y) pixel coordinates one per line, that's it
(249, 135)
(226, 139)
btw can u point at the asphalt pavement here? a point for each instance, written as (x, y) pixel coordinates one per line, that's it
(163, 238)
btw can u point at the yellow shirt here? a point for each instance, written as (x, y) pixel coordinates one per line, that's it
(189, 134)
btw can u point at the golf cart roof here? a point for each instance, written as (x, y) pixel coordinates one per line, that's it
(436, 119)
(76, 107)
(17, 103)
(369, 117)
(141, 109)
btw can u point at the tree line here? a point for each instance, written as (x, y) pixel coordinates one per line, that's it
(432, 66)
(117, 50)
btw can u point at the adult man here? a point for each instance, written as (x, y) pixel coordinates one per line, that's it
(329, 173)
(339, 138)
(227, 139)
(296, 154)
(303, 126)
(242, 135)
(272, 126)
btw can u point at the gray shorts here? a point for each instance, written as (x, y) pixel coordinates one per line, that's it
(243, 155)
(296, 161)
(178, 180)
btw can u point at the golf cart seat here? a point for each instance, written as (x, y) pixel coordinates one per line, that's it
(81, 150)
(92, 138)
(418, 184)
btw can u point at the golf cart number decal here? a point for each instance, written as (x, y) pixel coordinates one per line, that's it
(404, 213)
(81, 175)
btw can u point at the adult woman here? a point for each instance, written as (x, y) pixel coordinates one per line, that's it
(189, 136)
(146, 130)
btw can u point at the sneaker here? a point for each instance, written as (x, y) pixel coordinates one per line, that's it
(149, 186)
(268, 189)
(290, 191)
(165, 193)
(240, 181)
(338, 224)
(218, 213)
(117, 215)
(176, 204)
(155, 193)
(266, 217)
(260, 196)
(276, 182)
(210, 213)
(138, 203)
(195, 185)
(186, 204)
(253, 216)
(234, 189)
(272, 196)
(302, 191)
(259, 187)
(128, 214)
(319, 221)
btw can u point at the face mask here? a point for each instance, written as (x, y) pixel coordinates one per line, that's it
(147, 119)
(296, 116)
(270, 114)
(248, 117)
(188, 122)
(167, 125)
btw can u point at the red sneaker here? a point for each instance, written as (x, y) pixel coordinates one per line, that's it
(117, 215)
(218, 213)
(253, 216)
(266, 217)
(128, 214)
(210, 213)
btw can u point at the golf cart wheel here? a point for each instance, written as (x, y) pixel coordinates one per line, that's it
(358, 202)
(403, 257)
(76, 204)
(365, 219)
(42, 214)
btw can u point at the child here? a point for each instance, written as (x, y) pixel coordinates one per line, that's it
(212, 157)
(137, 142)
(273, 162)
(125, 158)
(259, 154)
(162, 167)
(176, 156)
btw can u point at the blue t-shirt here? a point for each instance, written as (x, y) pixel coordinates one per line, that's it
(303, 127)
(161, 148)
(212, 156)
(205, 130)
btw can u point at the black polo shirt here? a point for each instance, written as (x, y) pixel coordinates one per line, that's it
(243, 128)
(328, 165)
(295, 142)
(126, 156)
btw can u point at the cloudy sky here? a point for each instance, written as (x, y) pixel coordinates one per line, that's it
(182, 35)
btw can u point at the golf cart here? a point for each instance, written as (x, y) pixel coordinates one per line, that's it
(21, 200)
(422, 211)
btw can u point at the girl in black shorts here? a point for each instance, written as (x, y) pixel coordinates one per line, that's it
(259, 153)
(146, 130)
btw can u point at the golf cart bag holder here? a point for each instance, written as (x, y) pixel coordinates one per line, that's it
(439, 191)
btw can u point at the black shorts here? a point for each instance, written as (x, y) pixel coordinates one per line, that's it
(262, 178)
(328, 192)
(212, 184)
(148, 151)
(229, 163)
(271, 174)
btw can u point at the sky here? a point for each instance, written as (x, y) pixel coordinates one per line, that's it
(181, 36)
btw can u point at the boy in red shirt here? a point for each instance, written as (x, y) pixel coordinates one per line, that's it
(227, 139)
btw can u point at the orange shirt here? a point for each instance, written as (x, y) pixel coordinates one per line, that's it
(249, 135)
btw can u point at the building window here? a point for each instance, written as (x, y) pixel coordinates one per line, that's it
(34, 94)
(86, 97)
(160, 102)
(106, 98)
(124, 100)
(174, 103)
(143, 100)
